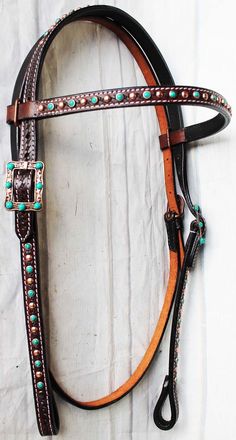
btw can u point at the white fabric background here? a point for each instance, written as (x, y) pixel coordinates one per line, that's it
(103, 232)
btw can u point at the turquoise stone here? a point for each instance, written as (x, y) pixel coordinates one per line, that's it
(202, 240)
(39, 165)
(29, 269)
(35, 342)
(8, 185)
(31, 293)
(28, 246)
(9, 205)
(39, 185)
(147, 94)
(214, 98)
(172, 94)
(38, 364)
(196, 207)
(200, 225)
(33, 318)
(71, 103)
(50, 106)
(119, 97)
(10, 166)
(37, 205)
(40, 385)
(196, 94)
(94, 99)
(21, 207)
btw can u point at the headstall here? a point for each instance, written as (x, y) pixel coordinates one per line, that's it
(24, 187)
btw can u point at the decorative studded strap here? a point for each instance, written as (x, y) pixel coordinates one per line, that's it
(24, 187)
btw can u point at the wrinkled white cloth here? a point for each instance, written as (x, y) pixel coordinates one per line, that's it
(104, 256)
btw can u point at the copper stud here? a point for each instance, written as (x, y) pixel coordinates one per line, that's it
(83, 101)
(132, 96)
(32, 306)
(106, 98)
(36, 353)
(184, 94)
(34, 330)
(29, 281)
(159, 94)
(41, 107)
(39, 374)
(28, 257)
(205, 96)
(61, 105)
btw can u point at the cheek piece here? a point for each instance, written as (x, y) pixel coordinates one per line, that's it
(24, 187)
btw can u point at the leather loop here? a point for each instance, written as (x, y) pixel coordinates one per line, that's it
(166, 393)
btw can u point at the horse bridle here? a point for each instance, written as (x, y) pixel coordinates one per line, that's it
(24, 186)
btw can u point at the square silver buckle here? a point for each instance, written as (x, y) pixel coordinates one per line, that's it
(36, 204)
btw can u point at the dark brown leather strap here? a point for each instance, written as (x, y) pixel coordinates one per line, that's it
(24, 192)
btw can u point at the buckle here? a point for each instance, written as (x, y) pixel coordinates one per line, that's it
(36, 204)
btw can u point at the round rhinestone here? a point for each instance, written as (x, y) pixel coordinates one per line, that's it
(38, 165)
(196, 94)
(31, 293)
(33, 318)
(39, 185)
(10, 166)
(40, 385)
(22, 207)
(147, 94)
(50, 106)
(29, 269)
(35, 342)
(71, 103)
(37, 205)
(120, 97)
(9, 205)
(172, 94)
(38, 364)
(94, 99)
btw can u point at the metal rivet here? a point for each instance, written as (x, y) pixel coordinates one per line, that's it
(61, 104)
(106, 98)
(132, 96)
(36, 353)
(32, 306)
(184, 94)
(29, 281)
(159, 94)
(83, 101)
(41, 107)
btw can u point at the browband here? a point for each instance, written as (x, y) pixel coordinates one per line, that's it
(24, 187)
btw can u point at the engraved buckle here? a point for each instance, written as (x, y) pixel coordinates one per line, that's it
(36, 204)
